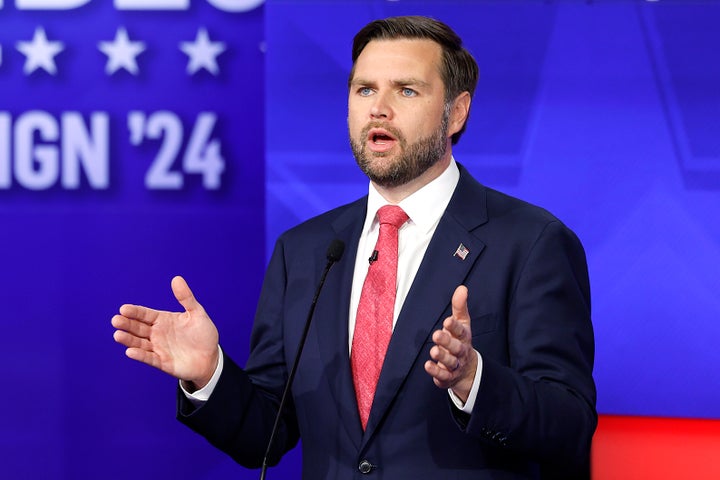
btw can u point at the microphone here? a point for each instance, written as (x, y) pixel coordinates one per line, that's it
(334, 254)
(373, 257)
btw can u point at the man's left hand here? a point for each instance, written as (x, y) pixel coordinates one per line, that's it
(454, 361)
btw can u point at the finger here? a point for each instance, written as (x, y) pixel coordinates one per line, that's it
(459, 305)
(458, 324)
(441, 377)
(455, 329)
(445, 359)
(135, 327)
(138, 312)
(183, 294)
(444, 338)
(131, 341)
(140, 355)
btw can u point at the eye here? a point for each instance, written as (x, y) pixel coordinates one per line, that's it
(364, 91)
(408, 92)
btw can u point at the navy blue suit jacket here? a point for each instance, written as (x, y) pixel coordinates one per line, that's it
(529, 302)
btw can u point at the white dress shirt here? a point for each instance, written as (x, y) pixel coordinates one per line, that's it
(425, 208)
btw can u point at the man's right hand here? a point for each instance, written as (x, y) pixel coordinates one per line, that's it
(182, 344)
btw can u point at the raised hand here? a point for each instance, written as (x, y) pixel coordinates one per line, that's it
(182, 344)
(454, 361)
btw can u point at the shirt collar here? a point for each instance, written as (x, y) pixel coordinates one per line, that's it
(424, 207)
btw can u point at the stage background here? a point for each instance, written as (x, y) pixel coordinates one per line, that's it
(605, 113)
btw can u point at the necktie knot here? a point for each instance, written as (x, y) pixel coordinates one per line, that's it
(392, 215)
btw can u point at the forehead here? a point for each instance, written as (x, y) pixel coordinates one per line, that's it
(400, 57)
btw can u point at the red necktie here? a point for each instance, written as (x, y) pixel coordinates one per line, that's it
(373, 325)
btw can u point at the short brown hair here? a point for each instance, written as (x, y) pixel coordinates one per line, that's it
(459, 71)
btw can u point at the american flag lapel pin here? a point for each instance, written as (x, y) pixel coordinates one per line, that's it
(461, 252)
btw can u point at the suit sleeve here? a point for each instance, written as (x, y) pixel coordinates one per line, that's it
(542, 400)
(239, 415)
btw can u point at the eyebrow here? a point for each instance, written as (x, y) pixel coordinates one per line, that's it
(401, 82)
(404, 82)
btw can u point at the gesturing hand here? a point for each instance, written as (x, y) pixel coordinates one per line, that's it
(454, 361)
(182, 344)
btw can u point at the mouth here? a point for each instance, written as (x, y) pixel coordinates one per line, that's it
(380, 140)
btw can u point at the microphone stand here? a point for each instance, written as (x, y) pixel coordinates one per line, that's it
(335, 251)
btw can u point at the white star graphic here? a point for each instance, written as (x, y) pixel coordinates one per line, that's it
(202, 52)
(121, 53)
(39, 53)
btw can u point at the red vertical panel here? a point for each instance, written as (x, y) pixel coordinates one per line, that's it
(656, 448)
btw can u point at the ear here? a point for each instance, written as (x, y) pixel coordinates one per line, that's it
(459, 113)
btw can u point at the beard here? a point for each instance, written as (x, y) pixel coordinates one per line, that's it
(412, 161)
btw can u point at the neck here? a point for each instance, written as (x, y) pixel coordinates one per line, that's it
(395, 195)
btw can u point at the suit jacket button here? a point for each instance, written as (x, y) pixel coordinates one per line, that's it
(365, 467)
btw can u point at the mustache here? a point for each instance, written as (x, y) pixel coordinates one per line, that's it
(392, 130)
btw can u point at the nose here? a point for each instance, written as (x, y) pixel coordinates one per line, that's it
(381, 107)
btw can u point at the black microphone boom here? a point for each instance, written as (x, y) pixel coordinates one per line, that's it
(334, 254)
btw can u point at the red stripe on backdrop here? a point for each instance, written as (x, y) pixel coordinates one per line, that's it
(655, 448)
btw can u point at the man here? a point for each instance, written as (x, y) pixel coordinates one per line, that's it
(488, 371)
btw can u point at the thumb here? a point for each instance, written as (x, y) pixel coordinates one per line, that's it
(459, 305)
(183, 294)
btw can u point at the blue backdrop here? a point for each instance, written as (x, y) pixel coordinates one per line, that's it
(118, 171)
(140, 144)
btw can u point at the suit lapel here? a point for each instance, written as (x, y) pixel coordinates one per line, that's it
(332, 319)
(425, 306)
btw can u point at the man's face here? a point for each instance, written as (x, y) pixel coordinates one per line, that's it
(397, 118)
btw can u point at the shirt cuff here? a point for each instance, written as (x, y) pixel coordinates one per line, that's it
(467, 407)
(199, 397)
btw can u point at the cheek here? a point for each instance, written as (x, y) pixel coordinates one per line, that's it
(429, 127)
(355, 123)
(415, 131)
(354, 106)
